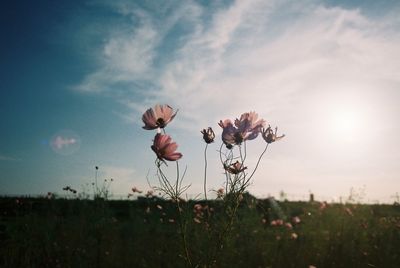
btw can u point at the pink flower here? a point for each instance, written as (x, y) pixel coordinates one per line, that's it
(149, 193)
(165, 148)
(220, 192)
(294, 236)
(158, 117)
(136, 190)
(296, 220)
(235, 168)
(245, 128)
(208, 135)
(197, 207)
(289, 225)
(249, 126)
(269, 136)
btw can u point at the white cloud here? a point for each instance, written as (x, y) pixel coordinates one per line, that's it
(245, 57)
(290, 62)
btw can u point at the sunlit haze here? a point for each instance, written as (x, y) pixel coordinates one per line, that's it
(76, 77)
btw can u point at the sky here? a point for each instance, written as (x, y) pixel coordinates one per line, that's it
(76, 77)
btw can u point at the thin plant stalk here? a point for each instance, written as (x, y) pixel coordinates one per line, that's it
(182, 225)
(258, 162)
(205, 172)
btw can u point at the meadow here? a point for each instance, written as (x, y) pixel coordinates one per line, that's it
(57, 232)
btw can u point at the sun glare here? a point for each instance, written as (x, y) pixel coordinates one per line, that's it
(347, 123)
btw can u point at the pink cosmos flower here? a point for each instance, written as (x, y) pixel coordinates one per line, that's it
(136, 190)
(165, 148)
(270, 136)
(220, 192)
(149, 193)
(208, 135)
(288, 225)
(246, 128)
(197, 207)
(294, 236)
(296, 220)
(235, 168)
(158, 117)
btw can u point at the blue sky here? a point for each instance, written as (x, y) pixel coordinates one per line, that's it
(325, 72)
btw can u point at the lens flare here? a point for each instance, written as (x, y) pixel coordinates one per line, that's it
(65, 142)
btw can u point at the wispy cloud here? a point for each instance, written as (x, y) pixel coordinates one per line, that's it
(247, 55)
(294, 63)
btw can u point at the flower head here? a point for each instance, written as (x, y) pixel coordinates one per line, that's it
(136, 190)
(270, 136)
(294, 236)
(208, 135)
(246, 128)
(296, 220)
(158, 117)
(165, 148)
(235, 168)
(220, 192)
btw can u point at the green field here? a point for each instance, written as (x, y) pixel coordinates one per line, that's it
(39, 232)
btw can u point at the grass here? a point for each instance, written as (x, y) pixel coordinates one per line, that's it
(37, 232)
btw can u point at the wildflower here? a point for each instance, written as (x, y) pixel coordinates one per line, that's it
(165, 148)
(228, 133)
(149, 193)
(296, 220)
(208, 135)
(249, 126)
(323, 205)
(159, 207)
(136, 190)
(264, 221)
(197, 207)
(294, 236)
(269, 136)
(289, 225)
(245, 128)
(220, 192)
(171, 220)
(196, 220)
(158, 117)
(235, 168)
(312, 266)
(277, 222)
